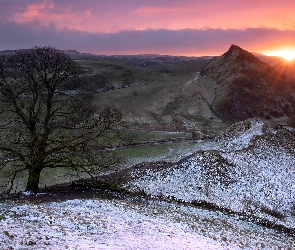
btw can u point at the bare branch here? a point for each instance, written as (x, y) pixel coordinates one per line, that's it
(45, 126)
(13, 177)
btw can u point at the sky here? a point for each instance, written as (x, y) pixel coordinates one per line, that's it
(173, 27)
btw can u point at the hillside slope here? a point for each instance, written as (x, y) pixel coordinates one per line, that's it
(168, 95)
(249, 169)
(177, 93)
(125, 223)
(196, 94)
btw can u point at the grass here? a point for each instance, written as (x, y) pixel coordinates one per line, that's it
(159, 101)
(56, 175)
(149, 151)
(133, 154)
(145, 136)
(165, 151)
(105, 75)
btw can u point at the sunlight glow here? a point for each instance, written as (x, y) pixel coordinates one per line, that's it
(287, 53)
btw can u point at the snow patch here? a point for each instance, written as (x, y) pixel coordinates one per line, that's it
(128, 224)
(257, 180)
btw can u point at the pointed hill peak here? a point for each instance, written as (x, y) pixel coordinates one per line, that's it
(248, 87)
(235, 50)
(238, 54)
(234, 47)
(233, 63)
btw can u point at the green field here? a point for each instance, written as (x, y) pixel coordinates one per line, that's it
(149, 146)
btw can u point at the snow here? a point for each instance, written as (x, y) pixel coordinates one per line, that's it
(240, 136)
(92, 224)
(127, 224)
(246, 170)
(249, 169)
(244, 140)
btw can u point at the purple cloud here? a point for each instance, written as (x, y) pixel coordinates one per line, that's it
(164, 41)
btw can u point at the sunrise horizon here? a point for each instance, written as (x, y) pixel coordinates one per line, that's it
(286, 53)
(289, 57)
(188, 28)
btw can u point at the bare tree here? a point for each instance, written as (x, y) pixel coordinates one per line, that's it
(45, 123)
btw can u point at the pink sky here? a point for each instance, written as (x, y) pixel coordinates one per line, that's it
(178, 27)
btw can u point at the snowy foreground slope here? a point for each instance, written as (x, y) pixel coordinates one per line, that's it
(249, 169)
(247, 172)
(128, 224)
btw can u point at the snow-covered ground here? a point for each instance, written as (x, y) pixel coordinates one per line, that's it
(128, 224)
(249, 169)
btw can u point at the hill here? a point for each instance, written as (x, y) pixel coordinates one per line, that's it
(192, 93)
(247, 87)
(248, 170)
(153, 92)
(200, 94)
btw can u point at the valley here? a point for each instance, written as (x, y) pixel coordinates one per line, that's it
(208, 160)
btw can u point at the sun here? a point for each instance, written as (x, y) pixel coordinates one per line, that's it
(287, 53)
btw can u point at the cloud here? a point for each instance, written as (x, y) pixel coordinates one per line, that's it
(162, 41)
(152, 10)
(35, 11)
(113, 15)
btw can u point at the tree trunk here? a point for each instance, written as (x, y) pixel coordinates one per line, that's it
(33, 180)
